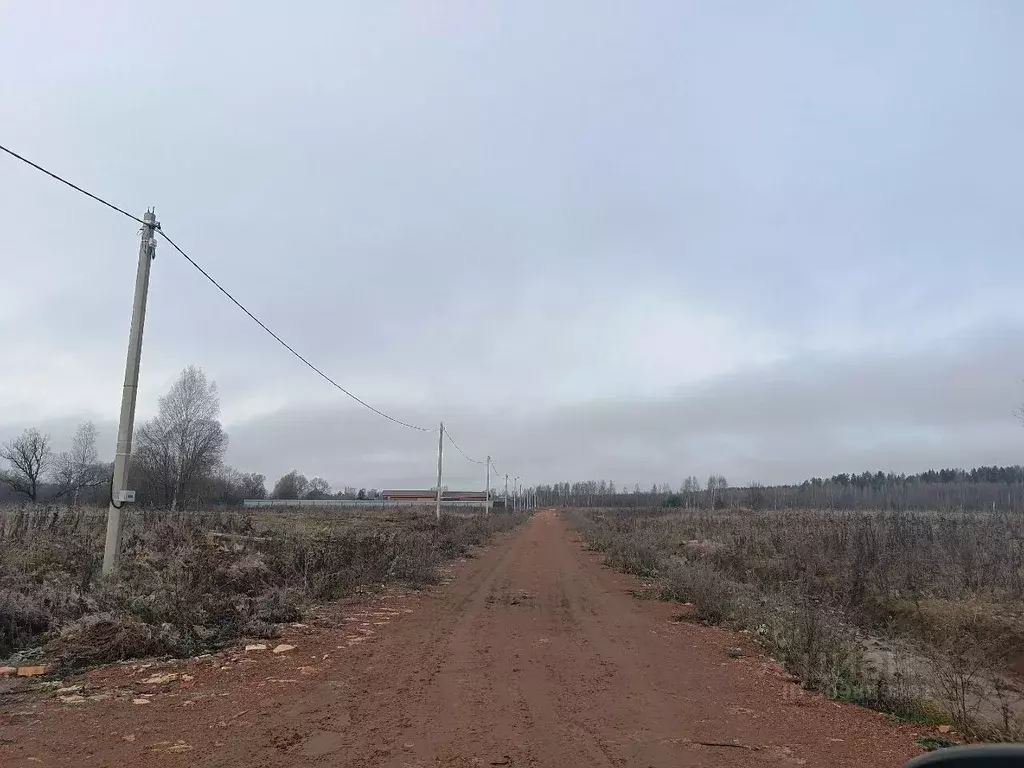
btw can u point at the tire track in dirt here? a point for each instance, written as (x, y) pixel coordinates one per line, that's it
(534, 654)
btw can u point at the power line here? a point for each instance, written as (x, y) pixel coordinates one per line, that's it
(75, 187)
(494, 467)
(448, 435)
(219, 287)
(467, 457)
(285, 344)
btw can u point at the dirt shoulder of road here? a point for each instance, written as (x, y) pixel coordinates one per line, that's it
(172, 711)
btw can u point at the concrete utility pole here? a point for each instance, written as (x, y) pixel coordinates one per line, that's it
(487, 491)
(440, 450)
(506, 493)
(119, 494)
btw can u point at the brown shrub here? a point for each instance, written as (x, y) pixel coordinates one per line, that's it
(104, 638)
(22, 619)
(699, 583)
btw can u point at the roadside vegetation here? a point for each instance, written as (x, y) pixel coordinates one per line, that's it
(177, 461)
(196, 571)
(190, 582)
(917, 614)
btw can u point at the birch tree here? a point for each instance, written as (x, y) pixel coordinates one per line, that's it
(184, 445)
(80, 467)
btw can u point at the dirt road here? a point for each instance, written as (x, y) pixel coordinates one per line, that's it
(532, 655)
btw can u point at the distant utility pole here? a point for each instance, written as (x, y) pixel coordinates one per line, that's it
(506, 493)
(119, 494)
(440, 450)
(487, 491)
(515, 495)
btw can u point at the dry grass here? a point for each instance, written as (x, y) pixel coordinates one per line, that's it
(190, 582)
(812, 585)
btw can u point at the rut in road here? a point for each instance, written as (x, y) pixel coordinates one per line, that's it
(533, 655)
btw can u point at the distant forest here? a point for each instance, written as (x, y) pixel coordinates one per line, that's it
(177, 462)
(989, 488)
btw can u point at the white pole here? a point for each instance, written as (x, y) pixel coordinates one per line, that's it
(487, 490)
(126, 425)
(440, 451)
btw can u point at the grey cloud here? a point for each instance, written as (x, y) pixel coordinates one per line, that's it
(665, 238)
(950, 404)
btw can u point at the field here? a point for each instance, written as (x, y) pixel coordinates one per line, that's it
(917, 614)
(192, 582)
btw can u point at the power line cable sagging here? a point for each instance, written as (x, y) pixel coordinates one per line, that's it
(285, 344)
(219, 287)
(465, 456)
(75, 187)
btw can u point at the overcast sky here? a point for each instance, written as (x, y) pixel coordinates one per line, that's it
(599, 239)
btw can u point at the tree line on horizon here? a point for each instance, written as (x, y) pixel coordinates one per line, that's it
(178, 462)
(177, 458)
(990, 488)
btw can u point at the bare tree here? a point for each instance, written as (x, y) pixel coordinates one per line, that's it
(318, 489)
(184, 445)
(30, 458)
(253, 485)
(230, 486)
(716, 483)
(291, 486)
(79, 468)
(756, 497)
(691, 490)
